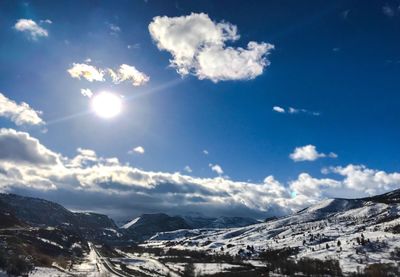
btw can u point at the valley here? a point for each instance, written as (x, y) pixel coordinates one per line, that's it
(339, 237)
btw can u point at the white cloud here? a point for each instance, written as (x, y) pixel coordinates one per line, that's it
(87, 71)
(129, 73)
(188, 169)
(278, 109)
(86, 92)
(216, 168)
(47, 21)
(115, 29)
(31, 28)
(308, 153)
(27, 164)
(311, 187)
(20, 114)
(367, 181)
(124, 73)
(291, 110)
(198, 46)
(138, 149)
(332, 155)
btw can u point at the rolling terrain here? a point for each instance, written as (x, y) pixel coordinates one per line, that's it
(335, 237)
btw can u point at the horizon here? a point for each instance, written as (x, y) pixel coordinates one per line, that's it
(190, 107)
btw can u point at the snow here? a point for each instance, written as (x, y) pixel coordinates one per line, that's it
(47, 271)
(212, 268)
(130, 223)
(76, 245)
(310, 230)
(321, 205)
(51, 242)
(88, 265)
(145, 264)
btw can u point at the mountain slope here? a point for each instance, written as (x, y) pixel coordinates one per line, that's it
(218, 222)
(149, 224)
(392, 197)
(355, 232)
(36, 211)
(20, 210)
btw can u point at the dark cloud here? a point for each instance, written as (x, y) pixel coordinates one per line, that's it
(21, 147)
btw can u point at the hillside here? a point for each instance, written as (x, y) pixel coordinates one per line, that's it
(333, 237)
(355, 232)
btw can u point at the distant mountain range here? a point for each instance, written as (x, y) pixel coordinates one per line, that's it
(146, 225)
(16, 210)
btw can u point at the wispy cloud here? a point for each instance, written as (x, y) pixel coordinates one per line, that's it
(345, 14)
(388, 10)
(114, 29)
(198, 46)
(124, 73)
(31, 28)
(86, 92)
(291, 110)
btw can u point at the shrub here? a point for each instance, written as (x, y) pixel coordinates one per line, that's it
(377, 270)
(189, 270)
(19, 266)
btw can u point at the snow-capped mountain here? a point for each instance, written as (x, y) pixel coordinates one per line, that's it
(147, 225)
(130, 223)
(356, 232)
(219, 222)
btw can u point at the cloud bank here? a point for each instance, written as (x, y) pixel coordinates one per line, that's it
(198, 46)
(95, 183)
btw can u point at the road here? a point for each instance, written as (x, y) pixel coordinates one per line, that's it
(104, 263)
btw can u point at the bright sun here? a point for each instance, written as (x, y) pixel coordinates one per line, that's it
(106, 104)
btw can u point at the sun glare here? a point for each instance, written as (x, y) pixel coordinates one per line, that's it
(106, 104)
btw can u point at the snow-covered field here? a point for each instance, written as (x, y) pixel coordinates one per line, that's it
(145, 264)
(351, 231)
(89, 266)
(48, 272)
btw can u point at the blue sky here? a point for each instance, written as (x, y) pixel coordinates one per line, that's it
(335, 64)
